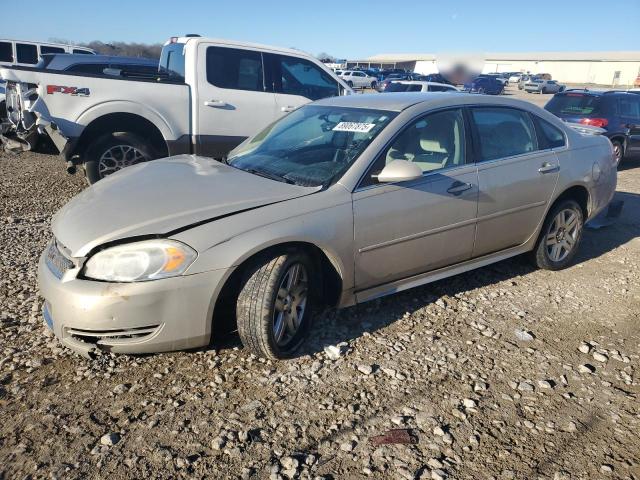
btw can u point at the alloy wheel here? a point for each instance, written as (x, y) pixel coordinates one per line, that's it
(563, 235)
(291, 302)
(119, 157)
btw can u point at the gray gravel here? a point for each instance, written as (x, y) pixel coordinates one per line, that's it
(487, 369)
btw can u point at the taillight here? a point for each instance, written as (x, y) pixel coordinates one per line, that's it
(595, 122)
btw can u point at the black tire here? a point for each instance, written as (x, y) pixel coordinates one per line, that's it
(544, 90)
(257, 312)
(134, 149)
(618, 151)
(350, 83)
(3, 110)
(374, 84)
(541, 255)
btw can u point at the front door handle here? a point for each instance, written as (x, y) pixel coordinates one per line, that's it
(457, 188)
(215, 103)
(288, 109)
(548, 168)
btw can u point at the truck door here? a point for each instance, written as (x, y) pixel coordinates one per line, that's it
(232, 100)
(297, 81)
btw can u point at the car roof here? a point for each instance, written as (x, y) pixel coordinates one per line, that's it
(424, 82)
(399, 101)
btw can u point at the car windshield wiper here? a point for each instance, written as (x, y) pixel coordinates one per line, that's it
(269, 175)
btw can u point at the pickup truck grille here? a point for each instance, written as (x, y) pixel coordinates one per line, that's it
(57, 262)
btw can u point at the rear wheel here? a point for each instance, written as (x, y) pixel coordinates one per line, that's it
(115, 151)
(374, 84)
(618, 151)
(350, 83)
(560, 236)
(274, 307)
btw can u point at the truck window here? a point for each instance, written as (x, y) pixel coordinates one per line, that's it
(172, 59)
(235, 69)
(6, 52)
(296, 76)
(44, 49)
(82, 52)
(27, 53)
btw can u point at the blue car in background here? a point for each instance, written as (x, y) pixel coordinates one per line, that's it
(617, 112)
(485, 84)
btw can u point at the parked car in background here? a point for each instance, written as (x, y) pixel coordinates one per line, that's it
(418, 86)
(27, 54)
(615, 111)
(433, 77)
(543, 86)
(358, 79)
(515, 78)
(523, 80)
(211, 96)
(341, 202)
(100, 64)
(497, 76)
(394, 77)
(486, 84)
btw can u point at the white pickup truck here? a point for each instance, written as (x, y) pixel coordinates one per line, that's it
(208, 96)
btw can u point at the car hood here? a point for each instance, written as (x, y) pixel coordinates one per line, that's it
(161, 196)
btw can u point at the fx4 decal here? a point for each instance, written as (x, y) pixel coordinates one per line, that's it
(75, 91)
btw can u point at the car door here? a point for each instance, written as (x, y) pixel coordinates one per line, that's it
(232, 101)
(359, 79)
(407, 228)
(629, 111)
(297, 81)
(516, 177)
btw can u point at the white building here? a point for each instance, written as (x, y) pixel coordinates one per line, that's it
(601, 68)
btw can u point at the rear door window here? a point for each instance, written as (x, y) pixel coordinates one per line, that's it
(27, 53)
(6, 52)
(503, 132)
(576, 104)
(629, 107)
(235, 69)
(44, 49)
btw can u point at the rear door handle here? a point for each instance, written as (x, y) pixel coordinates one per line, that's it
(288, 108)
(215, 103)
(457, 188)
(548, 168)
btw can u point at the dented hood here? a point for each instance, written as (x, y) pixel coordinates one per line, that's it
(161, 196)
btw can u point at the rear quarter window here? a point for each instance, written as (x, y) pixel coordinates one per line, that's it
(549, 136)
(27, 53)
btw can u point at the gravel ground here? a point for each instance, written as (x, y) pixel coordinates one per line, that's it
(504, 372)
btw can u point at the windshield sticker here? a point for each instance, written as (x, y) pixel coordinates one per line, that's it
(353, 127)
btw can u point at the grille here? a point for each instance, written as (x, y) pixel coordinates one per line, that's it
(56, 261)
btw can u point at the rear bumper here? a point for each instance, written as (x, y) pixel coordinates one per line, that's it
(143, 317)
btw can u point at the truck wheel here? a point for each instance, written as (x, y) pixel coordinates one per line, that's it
(274, 306)
(115, 151)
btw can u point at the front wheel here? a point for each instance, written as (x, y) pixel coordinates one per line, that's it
(560, 236)
(115, 151)
(350, 83)
(274, 307)
(374, 85)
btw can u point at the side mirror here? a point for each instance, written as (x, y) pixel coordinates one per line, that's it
(399, 171)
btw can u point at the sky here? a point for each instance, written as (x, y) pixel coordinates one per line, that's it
(344, 29)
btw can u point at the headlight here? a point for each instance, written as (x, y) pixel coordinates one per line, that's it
(140, 261)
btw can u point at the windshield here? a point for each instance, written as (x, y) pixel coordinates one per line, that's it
(312, 146)
(574, 104)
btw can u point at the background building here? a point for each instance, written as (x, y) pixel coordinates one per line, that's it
(600, 68)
